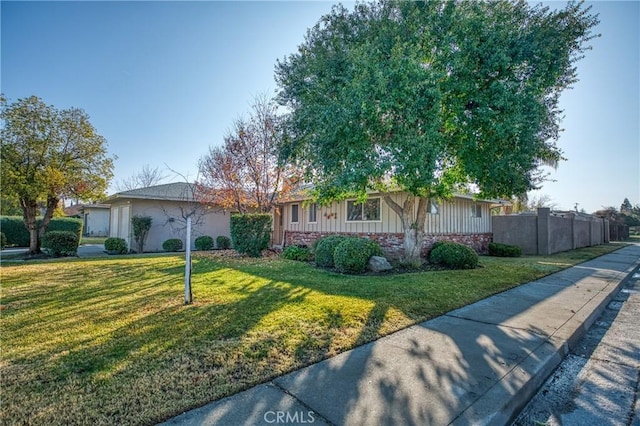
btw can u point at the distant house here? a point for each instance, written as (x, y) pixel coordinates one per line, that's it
(95, 218)
(167, 205)
(461, 219)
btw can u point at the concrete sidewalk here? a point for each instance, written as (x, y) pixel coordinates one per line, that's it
(476, 365)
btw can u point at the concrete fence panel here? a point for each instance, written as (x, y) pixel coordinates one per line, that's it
(517, 230)
(546, 232)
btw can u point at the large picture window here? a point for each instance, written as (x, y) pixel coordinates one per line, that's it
(367, 211)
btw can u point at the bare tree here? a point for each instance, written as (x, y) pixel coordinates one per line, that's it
(245, 173)
(146, 177)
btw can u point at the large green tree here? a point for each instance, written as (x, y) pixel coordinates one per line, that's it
(430, 97)
(48, 154)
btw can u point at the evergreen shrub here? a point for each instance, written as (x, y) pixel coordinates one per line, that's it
(115, 245)
(504, 250)
(172, 244)
(453, 255)
(204, 242)
(299, 253)
(250, 233)
(325, 248)
(223, 242)
(60, 243)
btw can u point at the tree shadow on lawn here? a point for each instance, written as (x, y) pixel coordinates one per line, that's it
(435, 372)
(176, 357)
(148, 361)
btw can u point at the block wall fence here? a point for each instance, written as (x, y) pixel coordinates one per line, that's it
(547, 233)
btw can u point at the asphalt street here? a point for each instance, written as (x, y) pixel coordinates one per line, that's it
(597, 383)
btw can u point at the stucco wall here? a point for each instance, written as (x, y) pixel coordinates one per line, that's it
(561, 234)
(517, 230)
(96, 222)
(167, 222)
(546, 232)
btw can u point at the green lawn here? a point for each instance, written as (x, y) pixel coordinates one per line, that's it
(109, 341)
(93, 240)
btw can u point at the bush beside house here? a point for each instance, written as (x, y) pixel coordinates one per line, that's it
(204, 242)
(172, 244)
(250, 233)
(453, 255)
(223, 242)
(115, 245)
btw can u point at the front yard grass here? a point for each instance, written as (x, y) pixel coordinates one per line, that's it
(109, 341)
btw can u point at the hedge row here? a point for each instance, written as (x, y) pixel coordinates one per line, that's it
(250, 233)
(18, 235)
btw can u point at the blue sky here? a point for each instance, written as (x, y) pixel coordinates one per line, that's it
(162, 81)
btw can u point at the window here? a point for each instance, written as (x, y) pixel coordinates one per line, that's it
(476, 210)
(367, 211)
(313, 212)
(434, 207)
(294, 213)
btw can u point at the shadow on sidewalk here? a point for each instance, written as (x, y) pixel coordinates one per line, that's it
(434, 372)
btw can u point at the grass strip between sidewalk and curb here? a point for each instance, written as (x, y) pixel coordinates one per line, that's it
(109, 341)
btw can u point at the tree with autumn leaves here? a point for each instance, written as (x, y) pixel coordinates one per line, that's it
(245, 173)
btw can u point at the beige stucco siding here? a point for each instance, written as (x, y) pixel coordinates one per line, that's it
(214, 223)
(453, 217)
(96, 222)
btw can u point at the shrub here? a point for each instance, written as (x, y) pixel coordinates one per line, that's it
(15, 231)
(325, 248)
(504, 250)
(299, 253)
(172, 244)
(69, 224)
(204, 242)
(374, 248)
(454, 255)
(250, 233)
(3, 240)
(223, 242)
(60, 243)
(352, 254)
(115, 245)
(18, 235)
(141, 226)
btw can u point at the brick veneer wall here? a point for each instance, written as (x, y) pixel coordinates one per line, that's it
(392, 244)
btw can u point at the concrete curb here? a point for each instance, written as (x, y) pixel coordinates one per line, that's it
(542, 362)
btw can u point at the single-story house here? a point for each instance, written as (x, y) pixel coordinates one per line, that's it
(462, 219)
(167, 205)
(95, 217)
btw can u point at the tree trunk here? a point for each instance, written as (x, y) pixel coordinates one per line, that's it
(412, 225)
(29, 212)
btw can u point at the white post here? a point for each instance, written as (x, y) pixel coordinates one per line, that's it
(188, 298)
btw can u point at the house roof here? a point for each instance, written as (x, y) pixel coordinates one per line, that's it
(177, 191)
(77, 209)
